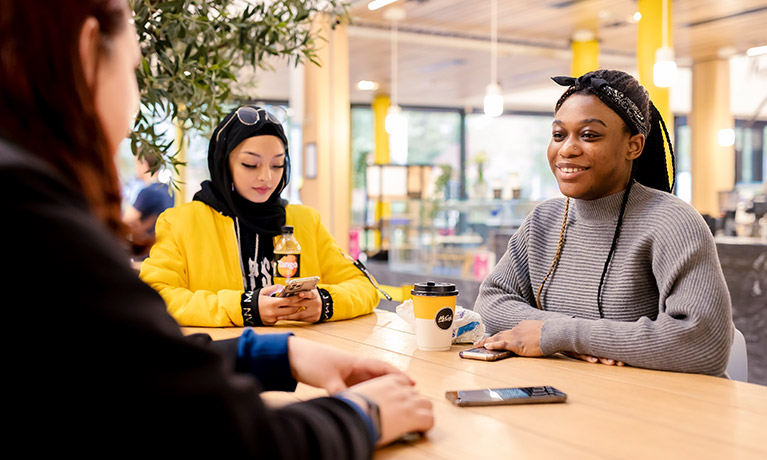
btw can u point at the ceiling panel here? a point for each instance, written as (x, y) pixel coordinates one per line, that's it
(444, 45)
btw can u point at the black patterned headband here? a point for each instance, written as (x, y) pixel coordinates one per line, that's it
(616, 100)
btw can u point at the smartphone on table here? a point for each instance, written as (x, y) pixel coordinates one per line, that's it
(500, 396)
(296, 285)
(484, 354)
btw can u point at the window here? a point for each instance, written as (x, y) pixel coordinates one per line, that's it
(363, 152)
(750, 151)
(509, 152)
(683, 188)
(750, 155)
(434, 137)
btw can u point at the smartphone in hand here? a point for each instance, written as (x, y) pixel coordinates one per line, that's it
(484, 354)
(500, 396)
(296, 285)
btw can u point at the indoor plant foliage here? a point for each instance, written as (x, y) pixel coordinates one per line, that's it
(192, 51)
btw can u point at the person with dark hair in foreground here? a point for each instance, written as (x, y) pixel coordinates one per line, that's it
(619, 271)
(95, 366)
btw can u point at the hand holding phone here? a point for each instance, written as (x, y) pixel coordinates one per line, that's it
(296, 285)
(500, 396)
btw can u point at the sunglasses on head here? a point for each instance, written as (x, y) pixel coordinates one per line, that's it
(249, 116)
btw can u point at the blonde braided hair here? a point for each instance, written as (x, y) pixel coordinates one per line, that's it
(556, 256)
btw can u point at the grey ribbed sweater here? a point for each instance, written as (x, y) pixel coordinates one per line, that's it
(665, 301)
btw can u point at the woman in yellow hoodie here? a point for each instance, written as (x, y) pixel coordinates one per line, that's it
(212, 262)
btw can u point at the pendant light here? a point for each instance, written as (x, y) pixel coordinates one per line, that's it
(376, 4)
(664, 70)
(493, 98)
(395, 122)
(394, 111)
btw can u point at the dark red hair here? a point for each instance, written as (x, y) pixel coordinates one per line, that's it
(46, 106)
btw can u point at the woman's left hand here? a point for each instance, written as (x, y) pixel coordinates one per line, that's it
(310, 307)
(524, 339)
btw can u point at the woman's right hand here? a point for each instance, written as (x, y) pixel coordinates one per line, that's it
(270, 308)
(594, 359)
(402, 409)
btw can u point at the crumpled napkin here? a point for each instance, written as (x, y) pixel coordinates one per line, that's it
(467, 324)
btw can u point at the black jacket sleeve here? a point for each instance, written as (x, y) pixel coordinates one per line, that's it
(99, 369)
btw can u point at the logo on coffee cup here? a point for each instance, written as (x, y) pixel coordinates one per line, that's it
(444, 318)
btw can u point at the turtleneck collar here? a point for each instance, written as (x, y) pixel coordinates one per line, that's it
(604, 209)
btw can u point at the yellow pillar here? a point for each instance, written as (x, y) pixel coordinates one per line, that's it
(713, 166)
(327, 131)
(380, 108)
(585, 50)
(649, 39)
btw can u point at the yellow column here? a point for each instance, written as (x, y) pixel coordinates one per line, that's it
(585, 50)
(713, 166)
(380, 108)
(649, 39)
(327, 126)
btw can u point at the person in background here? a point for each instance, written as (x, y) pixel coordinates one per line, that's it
(153, 198)
(213, 259)
(97, 367)
(620, 271)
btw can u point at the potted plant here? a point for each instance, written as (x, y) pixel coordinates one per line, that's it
(480, 186)
(192, 51)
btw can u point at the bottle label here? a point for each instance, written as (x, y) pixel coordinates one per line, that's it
(287, 265)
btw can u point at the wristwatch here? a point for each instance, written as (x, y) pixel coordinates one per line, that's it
(375, 414)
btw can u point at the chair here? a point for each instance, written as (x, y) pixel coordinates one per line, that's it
(737, 366)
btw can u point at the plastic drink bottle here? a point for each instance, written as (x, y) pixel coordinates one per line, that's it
(287, 256)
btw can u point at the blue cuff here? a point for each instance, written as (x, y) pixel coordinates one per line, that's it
(365, 416)
(265, 356)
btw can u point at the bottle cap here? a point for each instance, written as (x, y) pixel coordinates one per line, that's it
(287, 229)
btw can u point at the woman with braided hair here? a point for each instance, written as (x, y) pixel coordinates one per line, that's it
(620, 271)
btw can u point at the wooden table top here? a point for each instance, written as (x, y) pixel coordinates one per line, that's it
(611, 412)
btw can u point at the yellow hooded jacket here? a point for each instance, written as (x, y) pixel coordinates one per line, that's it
(195, 266)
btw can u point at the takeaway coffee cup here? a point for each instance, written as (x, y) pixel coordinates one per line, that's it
(433, 307)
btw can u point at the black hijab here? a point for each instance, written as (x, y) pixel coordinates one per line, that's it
(265, 218)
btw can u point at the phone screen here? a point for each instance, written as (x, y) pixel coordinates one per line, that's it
(495, 396)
